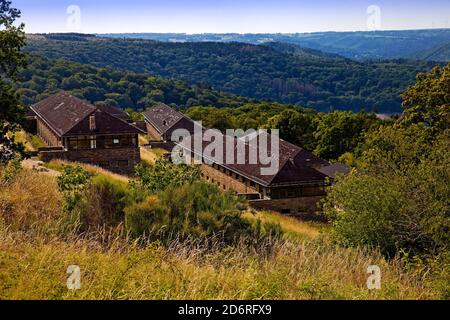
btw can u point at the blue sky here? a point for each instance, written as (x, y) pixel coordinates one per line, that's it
(240, 16)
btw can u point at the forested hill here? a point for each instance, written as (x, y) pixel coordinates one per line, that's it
(303, 77)
(393, 44)
(107, 86)
(439, 53)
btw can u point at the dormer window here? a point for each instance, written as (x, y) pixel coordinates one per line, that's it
(165, 122)
(92, 124)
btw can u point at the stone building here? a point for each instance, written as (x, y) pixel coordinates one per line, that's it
(295, 188)
(78, 131)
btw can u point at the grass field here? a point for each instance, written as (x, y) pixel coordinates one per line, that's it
(35, 252)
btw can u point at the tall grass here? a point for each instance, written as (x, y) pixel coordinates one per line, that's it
(58, 165)
(34, 256)
(307, 270)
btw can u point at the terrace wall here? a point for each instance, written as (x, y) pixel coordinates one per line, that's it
(120, 161)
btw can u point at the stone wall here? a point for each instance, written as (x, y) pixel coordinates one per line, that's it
(225, 181)
(120, 161)
(292, 206)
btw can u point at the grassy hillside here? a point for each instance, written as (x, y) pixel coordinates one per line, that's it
(305, 77)
(35, 252)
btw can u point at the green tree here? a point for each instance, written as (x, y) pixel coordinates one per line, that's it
(12, 39)
(295, 127)
(428, 101)
(340, 132)
(164, 173)
(398, 200)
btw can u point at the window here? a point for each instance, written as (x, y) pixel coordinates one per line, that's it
(116, 141)
(104, 164)
(286, 211)
(82, 143)
(93, 142)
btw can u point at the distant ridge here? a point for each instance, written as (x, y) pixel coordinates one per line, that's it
(359, 45)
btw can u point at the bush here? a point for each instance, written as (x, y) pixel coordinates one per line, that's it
(103, 203)
(163, 174)
(197, 211)
(398, 200)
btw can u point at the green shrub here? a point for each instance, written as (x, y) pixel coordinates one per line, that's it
(398, 200)
(196, 211)
(103, 202)
(164, 173)
(10, 171)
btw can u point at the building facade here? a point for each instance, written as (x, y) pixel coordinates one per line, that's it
(295, 188)
(77, 131)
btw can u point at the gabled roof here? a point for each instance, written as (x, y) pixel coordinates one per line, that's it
(163, 118)
(117, 112)
(65, 114)
(295, 165)
(62, 111)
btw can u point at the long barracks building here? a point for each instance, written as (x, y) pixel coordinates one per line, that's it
(295, 188)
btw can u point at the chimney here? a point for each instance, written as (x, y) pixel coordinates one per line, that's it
(92, 125)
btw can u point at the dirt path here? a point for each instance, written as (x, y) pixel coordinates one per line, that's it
(36, 165)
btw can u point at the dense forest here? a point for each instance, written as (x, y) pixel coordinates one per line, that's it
(123, 89)
(306, 78)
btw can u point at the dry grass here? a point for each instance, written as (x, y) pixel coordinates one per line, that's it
(295, 271)
(148, 156)
(31, 142)
(32, 198)
(151, 155)
(143, 140)
(33, 266)
(293, 227)
(58, 165)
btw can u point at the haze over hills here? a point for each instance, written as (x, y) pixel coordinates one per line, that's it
(354, 45)
(278, 72)
(438, 53)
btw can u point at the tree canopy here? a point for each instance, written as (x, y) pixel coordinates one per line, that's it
(265, 72)
(12, 39)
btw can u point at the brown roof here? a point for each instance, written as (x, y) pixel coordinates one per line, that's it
(296, 165)
(117, 112)
(162, 117)
(66, 114)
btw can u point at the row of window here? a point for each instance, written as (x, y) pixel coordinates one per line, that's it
(235, 176)
(100, 142)
(213, 181)
(296, 192)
